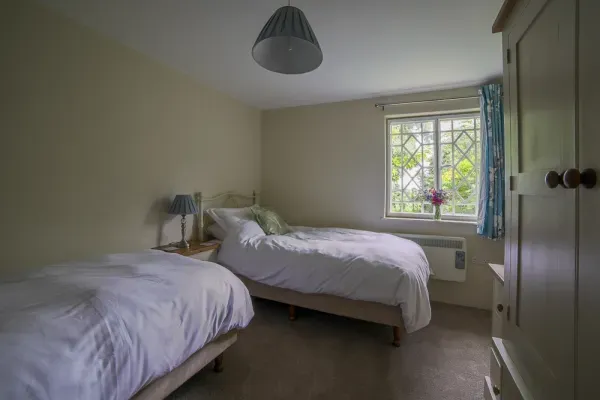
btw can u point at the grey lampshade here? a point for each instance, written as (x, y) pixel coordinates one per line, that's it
(183, 204)
(287, 43)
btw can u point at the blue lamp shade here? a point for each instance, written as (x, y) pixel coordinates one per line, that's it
(287, 43)
(183, 204)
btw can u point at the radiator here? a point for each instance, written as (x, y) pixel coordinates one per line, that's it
(447, 256)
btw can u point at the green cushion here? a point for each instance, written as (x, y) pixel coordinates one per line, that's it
(270, 222)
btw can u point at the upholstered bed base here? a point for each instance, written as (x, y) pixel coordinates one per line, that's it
(162, 387)
(363, 310)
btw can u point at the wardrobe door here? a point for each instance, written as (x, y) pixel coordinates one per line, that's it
(588, 343)
(539, 330)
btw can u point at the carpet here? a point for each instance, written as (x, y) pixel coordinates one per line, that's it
(321, 356)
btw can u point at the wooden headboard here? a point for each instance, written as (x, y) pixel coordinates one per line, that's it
(229, 199)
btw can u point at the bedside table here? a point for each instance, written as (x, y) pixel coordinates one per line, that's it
(206, 251)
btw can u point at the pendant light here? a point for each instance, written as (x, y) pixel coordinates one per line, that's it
(287, 43)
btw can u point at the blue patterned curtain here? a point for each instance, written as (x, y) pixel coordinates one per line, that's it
(490, 218)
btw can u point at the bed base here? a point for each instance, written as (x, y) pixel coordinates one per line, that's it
(363, 310)
(163, 386)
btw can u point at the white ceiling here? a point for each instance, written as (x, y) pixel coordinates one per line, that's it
(371, 47)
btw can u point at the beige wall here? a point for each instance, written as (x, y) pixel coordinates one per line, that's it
(96, 138)
(325, 165)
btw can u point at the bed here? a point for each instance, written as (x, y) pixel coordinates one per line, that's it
(123, 326)
(370, 276)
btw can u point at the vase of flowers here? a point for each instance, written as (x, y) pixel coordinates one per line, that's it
(436, 197)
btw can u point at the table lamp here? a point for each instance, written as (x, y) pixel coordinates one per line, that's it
(183, 205)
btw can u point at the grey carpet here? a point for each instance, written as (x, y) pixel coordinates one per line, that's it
(321, 356)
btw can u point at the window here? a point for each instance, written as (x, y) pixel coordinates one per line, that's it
(439, 152)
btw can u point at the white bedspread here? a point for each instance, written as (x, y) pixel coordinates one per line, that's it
(105, 329)
(353, 264)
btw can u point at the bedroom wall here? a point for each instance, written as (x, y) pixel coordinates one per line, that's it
(97, 138)
(324, 165)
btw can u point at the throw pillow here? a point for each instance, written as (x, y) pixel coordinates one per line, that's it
(270, 222)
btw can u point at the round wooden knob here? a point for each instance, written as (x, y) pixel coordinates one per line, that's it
(572, 178)
(500, 307)
(553, 179)
(588, 178)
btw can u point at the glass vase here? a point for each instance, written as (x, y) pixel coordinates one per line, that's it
(438, 212)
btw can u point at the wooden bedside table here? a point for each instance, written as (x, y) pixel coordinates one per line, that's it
(206, 251)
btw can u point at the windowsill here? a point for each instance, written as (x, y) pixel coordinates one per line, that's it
(425, 226)
(432, 221)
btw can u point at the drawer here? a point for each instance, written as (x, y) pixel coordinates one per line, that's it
(511, 386)
(210, 255)
(488, 391)
(495, 369)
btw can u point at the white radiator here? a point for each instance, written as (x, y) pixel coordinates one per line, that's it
(447, 255)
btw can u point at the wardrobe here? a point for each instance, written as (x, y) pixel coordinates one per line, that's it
(549, 349)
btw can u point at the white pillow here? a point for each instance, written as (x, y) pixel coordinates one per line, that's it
(249, 230)
(217, 232)
(222, 216)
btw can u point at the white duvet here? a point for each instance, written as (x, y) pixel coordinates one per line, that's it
(105, 329)
(358, 265)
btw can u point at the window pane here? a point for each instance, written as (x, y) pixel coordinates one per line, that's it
(464, 141)
(397, 157)
(395, 140)
(446, 125)
(411, 143)
(427, 158)
(447, 178)
(412, 127)
(428, 138)
(428, 178)
(459, 124)
(412, 208)
(428, 126)
(447, 209)
(446, 137)
(395, 129)
(446, 155)
(465, 209)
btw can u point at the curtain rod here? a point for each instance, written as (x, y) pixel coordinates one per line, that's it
(384, 105)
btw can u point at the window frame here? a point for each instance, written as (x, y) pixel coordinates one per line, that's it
(475, 112)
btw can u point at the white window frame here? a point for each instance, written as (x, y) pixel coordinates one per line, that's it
(427, 117)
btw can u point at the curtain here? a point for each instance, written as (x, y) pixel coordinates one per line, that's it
(490, 218)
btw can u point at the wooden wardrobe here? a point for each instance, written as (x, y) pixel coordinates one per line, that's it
(550, 348)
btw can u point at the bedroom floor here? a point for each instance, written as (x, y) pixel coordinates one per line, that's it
(321, 356)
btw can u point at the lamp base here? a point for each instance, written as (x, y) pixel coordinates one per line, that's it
(183, 245)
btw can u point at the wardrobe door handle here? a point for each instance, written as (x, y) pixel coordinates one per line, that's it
(588, 178)
(573, 178)
(496, 390)
(500, 307)
(553, 179)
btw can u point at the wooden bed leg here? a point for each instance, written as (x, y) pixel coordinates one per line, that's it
(218, 363)
(397, 336)
(292, 312)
